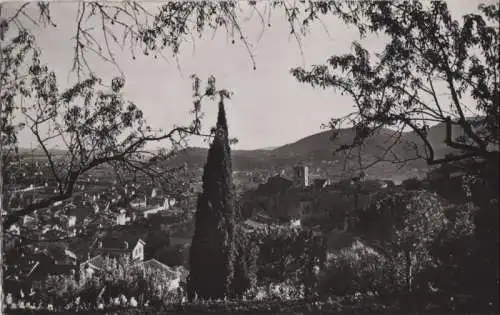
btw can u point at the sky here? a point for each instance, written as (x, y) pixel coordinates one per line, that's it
(269, 107)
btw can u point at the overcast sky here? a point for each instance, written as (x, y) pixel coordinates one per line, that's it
(269, 107)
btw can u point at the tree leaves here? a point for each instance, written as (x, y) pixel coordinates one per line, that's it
(403, 223)
(397, 87)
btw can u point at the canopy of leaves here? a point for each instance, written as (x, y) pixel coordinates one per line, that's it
(402, 221)
(287, 253)
(428, 52)
(403, 226)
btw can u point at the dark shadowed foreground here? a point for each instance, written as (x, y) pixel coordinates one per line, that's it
(351, 305)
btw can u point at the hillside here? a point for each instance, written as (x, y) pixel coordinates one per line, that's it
(317, 151)
(39, 154)
(436, 136)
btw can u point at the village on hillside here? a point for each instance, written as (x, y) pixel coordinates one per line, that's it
(89, 232)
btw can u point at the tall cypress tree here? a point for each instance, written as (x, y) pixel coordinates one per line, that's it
(212, 248)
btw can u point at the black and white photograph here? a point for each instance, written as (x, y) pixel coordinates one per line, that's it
(291, 157)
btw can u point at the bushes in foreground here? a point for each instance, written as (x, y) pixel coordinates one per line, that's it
(271, 264)
(356, 269)
(120, 283)
(277, 255)
(345, 305)
(415, 249)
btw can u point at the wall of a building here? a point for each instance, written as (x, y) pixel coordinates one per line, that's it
(301, 176)
(138, 252)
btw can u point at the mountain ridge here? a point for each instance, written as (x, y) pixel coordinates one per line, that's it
(317, 152)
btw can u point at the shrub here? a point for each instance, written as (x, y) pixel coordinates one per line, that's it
(119, 279)
(403, 226)
(289, 254)
(57, 290)
(245, 264)
(355, 269)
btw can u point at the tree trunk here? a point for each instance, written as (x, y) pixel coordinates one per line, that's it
(409, 272)
(409, 281)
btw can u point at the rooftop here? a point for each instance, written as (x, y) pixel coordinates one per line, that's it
(97, 262)
(117, 240)
(173, 273)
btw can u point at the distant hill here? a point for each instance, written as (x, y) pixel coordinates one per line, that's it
(39, 151)
(39, 154)
(317, 151)
(436, 136)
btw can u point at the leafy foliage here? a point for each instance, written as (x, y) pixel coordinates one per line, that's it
(245, 263)
(289, 254)
(119, 279)
(473, 187)
(427, 51)
(403, 226)
(356, 269)
(453, 250)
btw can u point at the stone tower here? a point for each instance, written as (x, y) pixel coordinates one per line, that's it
(301, 176)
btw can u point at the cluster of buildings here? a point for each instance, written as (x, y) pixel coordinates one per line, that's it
(90, 208)
(127, 248)
(36, 267)
(145, 207)
(299, 200)
(70, 216)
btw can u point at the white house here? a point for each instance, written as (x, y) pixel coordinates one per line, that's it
(167, 204)
(71, 221)
(27, 219)
(124, 245)
(152, 211)
(139, 203)
(295, 223)
(15, 229)
(122, 218)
